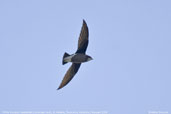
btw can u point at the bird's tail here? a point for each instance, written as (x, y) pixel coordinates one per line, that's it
(65, 55)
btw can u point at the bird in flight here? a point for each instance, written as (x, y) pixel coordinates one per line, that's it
(78, 57)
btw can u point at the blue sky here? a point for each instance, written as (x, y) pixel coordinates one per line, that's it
(129, 42)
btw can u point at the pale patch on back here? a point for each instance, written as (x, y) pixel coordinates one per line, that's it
(68, 59)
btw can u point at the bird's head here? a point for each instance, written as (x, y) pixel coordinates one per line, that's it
(89, 58)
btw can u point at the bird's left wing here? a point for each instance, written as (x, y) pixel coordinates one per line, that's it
(83, 39)
(69, 74)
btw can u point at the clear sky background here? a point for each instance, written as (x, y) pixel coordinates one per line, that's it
(130, 42)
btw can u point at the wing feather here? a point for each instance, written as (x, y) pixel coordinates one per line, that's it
(83, 39)
(69, 75)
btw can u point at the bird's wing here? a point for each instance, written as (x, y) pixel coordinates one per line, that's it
(69, 74)
(83, 39)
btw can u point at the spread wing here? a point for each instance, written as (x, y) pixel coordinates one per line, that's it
(83, 39)
(69, 74)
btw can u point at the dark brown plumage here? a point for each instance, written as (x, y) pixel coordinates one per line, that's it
(77, 58)
(70, 74)
(83, 39)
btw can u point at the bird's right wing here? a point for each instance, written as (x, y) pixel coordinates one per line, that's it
(83, 39)
(69, 74)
